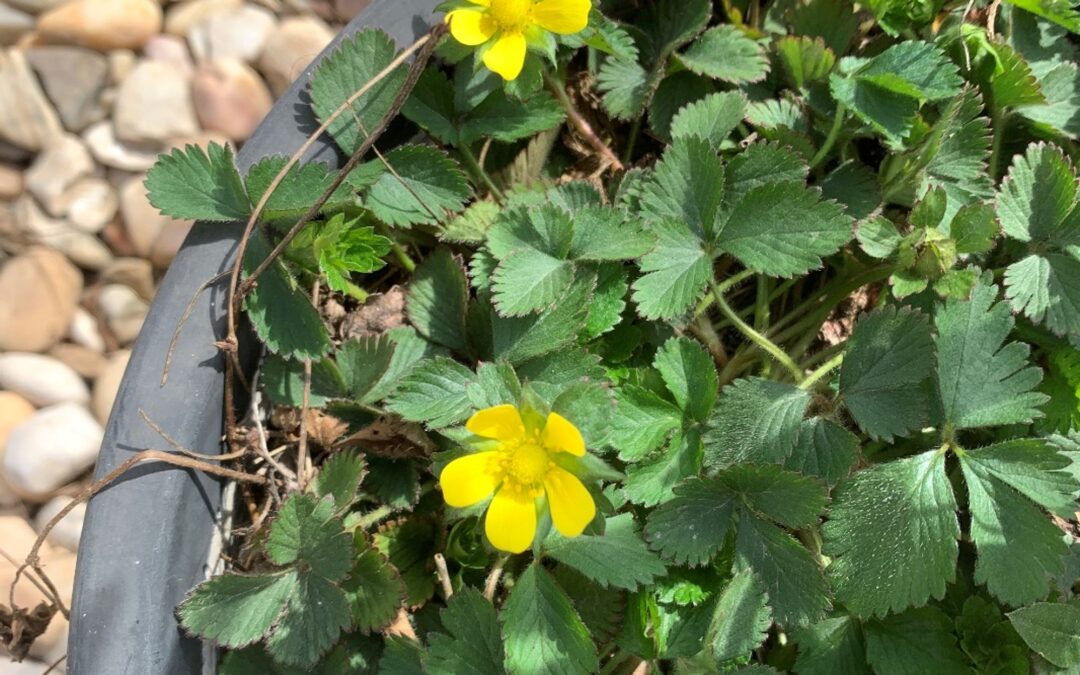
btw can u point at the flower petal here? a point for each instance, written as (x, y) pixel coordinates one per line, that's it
(562, 16)
(507, 56)
(470, 27)
(511, 521)
(560, 434)
(468, 480)
(572, 507)
(501, 422)
(482, 3)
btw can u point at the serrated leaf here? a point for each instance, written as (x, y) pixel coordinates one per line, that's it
(1060, 12)
(855, 186)
(833, 21)
(917, 642)
(306, 531)
(689, 374)
(409, 350)
(547, 228)
(400, 656)
(672, 94)
(410, 545)
(363, 362)
(394, 482)
(353, 65)
(342, 249)
(711, 119)
(473, 644)
(593, 555)
(878, 237)
(233, 610)
(888, 358)
(416, 185)
(782, 496)
(755, 420)
(912, 501)
(805, 60)
(1061, 112)
(302, 185)
(672, 23)
(674, 273)
(604, 234)
(1012, 83)
(981, 380)
(192, 184)
(1037, 197)
(523, 338)
(434, 393)
(741, 619)
(339, 477)
(651, 482)
(784, 229)
(473, 223)
(431, 106)
(624, 86)
(528, 281)
(373, 590)
(601, 609)
(823, 449)
(608, 300)
(438, 298)
(831, 646)
(506, 119)
(686, 185)
(315, 616)
(1046, 288)
(1052, 629)
(888, 112)
(541, 631)
(283, 382)
(974, 228)
(643, 422)
(762, 164)
(914, 68)
(726, 53)
(692, 527)
(958, 152)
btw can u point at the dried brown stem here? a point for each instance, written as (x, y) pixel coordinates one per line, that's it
(444, 575)
(580, 124)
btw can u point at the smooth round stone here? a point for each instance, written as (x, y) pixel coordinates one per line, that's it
(52, 448)
(86, 362)
(154, 104)
(102, 24)
(82, 248)
(42, 380)
(90, 204)
(27, 118)
(124, 311)
(290, 48)
(111, 151)
(237, 33)
(40, 291)
(74, 78)
(65, 534)
(230, 97)
(84, 331)
(108, 384)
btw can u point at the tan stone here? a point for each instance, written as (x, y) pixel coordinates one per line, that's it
(168, 242)
(40, 290)
(135, 273)
(86, 362)
(14, 410)
(102, 24)
(111, 151)
(290, 48)
(239, 33)
(153, 104)
(11, 182)
(63, 161)
(230, 97)
(27, 119)
(107, 384)
(182, 16)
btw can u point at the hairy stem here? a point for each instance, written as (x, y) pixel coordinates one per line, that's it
(830, 140)
(477, 170)
(757, 338)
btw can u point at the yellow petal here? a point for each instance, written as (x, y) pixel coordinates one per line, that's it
(470, 27)
(468, 480)
(502, 422)
(511, 521)
(561, 435)
(572, 506)
(562, 16)
(482, 3)
(507, 56)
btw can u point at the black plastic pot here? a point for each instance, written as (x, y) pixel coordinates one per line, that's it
(146, 539)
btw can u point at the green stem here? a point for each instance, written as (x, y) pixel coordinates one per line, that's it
(478, 172)
(631, 140)
(724, 287)
(371, 517)
(997, 123)
(408, 263)
(757, 338)
(822, 371)
(830, 140)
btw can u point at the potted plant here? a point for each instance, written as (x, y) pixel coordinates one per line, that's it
(633, 336)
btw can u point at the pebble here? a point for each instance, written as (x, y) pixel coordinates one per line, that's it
(230, 97)
(88, 363)
(143, 222)
(102, 24)
(346, 10)
(41, 380)
(35, 6)
(27, 119)
(183, 15)
(52, 448)
(111, 151)
(153, 104)
(84, 249)
(66, 533)
(236, 33)
(135, 273)
(168, 242)
(108, 384)
(11, 182)
(121, 62)
(84, 331)
(290, 48)
(90, 204)
(62, 162)
(41, 290)
(13, 25)
(169, 49)
(14, 410)
(124, 312)
(74, 78)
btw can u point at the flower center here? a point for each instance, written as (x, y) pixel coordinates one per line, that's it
(512, 16)
(525, 466)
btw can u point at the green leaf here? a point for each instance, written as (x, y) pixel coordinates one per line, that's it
(302, 185)
(546, 228)
(692, 527)
(192, 184)
(528, 281)
(686, 185)
(339, 477)
(690, 376)
(672, 23)
(712, 119)
(674, 274)
(232, 610)
(981, 380)
(1046, 288)
(917, 642)
(1052, 629)
(824, 449)
(888, 112)
(401, 656)
(957, 152)
(601, 608)
(508, 120)
(878, 236)
(409, 350)
(674, 93)
(914, 68)
(438, 298)
(974, 228)
(434, 393)
(363, 362)
(416, 185)
(594, 555)
(281, 313)
(912, 501)
(833, 21)
(643, 422)
(726, 53)
(805, 59)
(353, 65)
(1037, 197)
(608, 301)
(888, 359)
(651, 482)
(314, 618)
(741, 619)
(1061, 112)
(431, 106)
(472, 645)
(283, 382)
(604, 234)
(755, 420)
(1012, 84)
(831, 646)
(394, 482)
(762, 164)
(541, 631)
(855, 186)
(784, 229)
(343, 248)
(1060, 12)
(410, 545)
(523, 338)
(782, 496)
(624, 86)
(472, 225)
(1019, 549)
(306, 531)
(373, 590)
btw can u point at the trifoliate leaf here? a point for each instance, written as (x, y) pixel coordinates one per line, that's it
(438, 298)
(643, 422)
(912, 501)
(784, 229)
(726, 53)
(805, 60)
(711, 119)
(755, 420)
(957, 152)
(783, 496)
(651, 482)
(342, 249)
(415, 185)
(339, 477)
(232, 610)
(692, 527)
(1052, 629)
(1060, 12)
(197, 185)
(917, 642)
(434, 393)
(542, 633)
(823, 449)
(374, 590)
(302, 185)
(473, 644)
(523, 338)
(674, 273)
(686, 185)
(888, 358)
(624, 85)
(315, 616)
(762, 164)
(690, 376)
(831, 646)
(593, 555)
(508, 119)
(353, 65)
(306, 531)
(741, 619)
(981, 380)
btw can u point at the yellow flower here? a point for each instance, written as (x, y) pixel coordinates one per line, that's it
(507, 27)
(522, 468)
